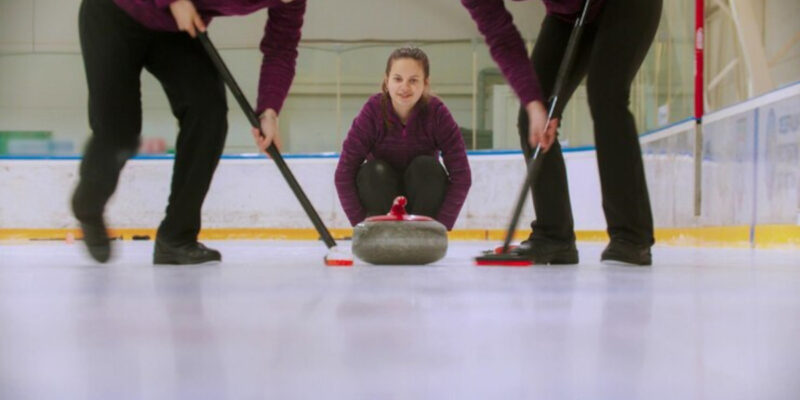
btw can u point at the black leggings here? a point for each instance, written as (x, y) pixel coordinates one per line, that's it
(610, 53)
(424, 183)
(115, 50)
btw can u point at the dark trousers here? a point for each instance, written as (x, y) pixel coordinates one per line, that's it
(424, 183)
(115, 50)
(610, 53)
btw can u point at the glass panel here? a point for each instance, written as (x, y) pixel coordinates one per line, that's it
(45, 91)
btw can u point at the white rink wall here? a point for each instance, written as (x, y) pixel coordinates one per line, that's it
(750, 175)
(251, 193)
(245, 193)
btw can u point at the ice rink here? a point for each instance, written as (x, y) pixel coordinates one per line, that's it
(272, 321)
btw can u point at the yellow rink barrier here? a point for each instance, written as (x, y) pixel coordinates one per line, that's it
(765, 236)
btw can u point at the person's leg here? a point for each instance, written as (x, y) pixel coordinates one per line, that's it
(113, 47)
(196, 94)
(378, 184)
(425, 185)
(552, 239)
(625, 31)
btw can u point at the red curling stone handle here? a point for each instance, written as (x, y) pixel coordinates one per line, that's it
(398, 213)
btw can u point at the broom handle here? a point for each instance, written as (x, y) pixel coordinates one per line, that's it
(533, 165)
(271, 150)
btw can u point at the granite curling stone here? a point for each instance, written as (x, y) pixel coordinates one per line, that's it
(398, 238)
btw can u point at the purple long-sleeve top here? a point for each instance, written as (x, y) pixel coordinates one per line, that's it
(279, 43)
(505, 42)
(429, 130)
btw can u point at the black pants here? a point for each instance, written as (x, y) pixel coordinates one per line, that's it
(424, 184)
(610, 53)
(115, 50)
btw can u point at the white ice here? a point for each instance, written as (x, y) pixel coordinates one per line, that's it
(271, 321)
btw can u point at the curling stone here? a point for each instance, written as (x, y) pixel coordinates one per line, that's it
(399, 238)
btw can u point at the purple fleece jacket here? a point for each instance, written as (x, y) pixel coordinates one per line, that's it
(429, 130)
(279, 44)
(506, 44)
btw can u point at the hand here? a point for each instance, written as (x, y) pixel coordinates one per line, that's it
(269, 133)
(186, 17)
(537, 132)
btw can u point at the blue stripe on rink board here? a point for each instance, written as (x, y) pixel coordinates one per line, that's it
(303, 156)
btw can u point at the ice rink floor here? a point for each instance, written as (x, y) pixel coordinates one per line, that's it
(272, 321)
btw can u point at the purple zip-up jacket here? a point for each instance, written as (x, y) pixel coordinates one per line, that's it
(506, 44)
(279, 44)
(429, 130)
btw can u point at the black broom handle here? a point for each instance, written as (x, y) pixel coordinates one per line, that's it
(534, 163)
(271, 150)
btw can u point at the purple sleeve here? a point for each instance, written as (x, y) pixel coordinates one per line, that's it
(506, 46)
(356, 147)
(454, 155)
(279, 45)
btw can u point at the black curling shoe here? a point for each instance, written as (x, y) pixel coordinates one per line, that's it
(622, 252)
(95, 234)
(96, 239)
(186, 254)
(545, 251)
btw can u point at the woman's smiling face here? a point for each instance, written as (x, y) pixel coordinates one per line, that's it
(406, 82)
